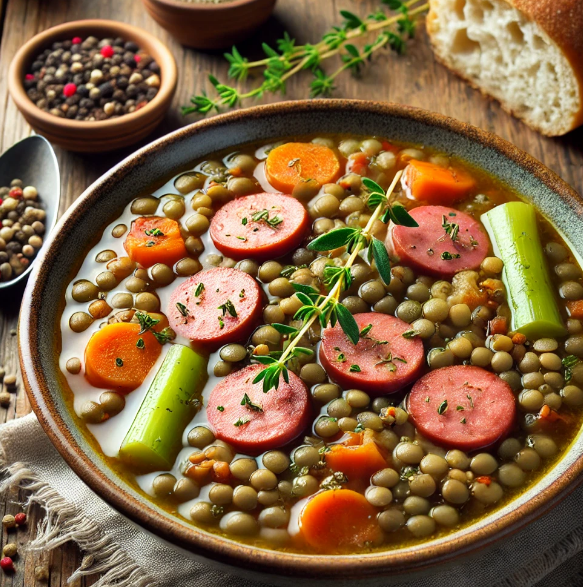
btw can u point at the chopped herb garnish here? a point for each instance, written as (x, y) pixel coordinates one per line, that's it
(452, 214)
(263, 216)
(182, 309)
(246, 401)
(242, 293)
(150, 244)
(220, 408)
(242, 238)
(334, 481)
(427, 399)
(473, 241)
(118, 362)
(365, 330)
(293, 162)
(341, 358)
(451, 228)
(154, 232)
(408, 472)
(217, 510)
(141, 344)
(442, 407)
(569, 362)
(221, 323)
(471, 401)
(199, 289)
(410, 334)
(460, 408)
(228, 307)
(241, 422)
(244, 221)
(359, 428)
(146, 322)
(447, 256)
(354, 369)
(164, 336)
(463, 421)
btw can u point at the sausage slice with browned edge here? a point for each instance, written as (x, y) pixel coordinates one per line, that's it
(382, 362)
(261, 226)
(216, 306)
(436, 247)
(252, 421)
(462, 407)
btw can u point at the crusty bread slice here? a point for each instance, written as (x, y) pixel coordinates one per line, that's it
(528, 54)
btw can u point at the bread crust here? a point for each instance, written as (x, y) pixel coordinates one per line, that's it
(561, 20)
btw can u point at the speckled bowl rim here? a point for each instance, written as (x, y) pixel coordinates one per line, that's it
(222, 550)
(23, 57)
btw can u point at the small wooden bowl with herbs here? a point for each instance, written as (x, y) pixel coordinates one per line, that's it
(210, 24)
(93, 85)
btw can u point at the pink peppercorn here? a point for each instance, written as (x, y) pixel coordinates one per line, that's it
(20, 519)
(29, 76)
(69, 90)
(7, 565)
(137, 58)
(15, 193)
(107, 51)
(77, 40)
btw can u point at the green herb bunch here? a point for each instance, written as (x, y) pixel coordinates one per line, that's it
(289, 59)
(328, 309)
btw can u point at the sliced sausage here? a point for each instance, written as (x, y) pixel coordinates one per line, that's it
(462, 407)
(382, 362)
(261, 226)
(430, 250)
(226, 309)
(275, 419)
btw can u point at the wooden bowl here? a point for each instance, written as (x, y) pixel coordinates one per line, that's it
(105, 135)
(208, 25)
(101, 203)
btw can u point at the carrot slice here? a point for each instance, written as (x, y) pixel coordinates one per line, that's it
(435, 184)
(113, 359)
(155, 240)
(339, 520)
(356, 462)
(291, 163)
(575, 309)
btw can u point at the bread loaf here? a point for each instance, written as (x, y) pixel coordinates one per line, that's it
(528, 54)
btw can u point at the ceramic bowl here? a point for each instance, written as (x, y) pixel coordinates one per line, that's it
(104, 200)
(105, 135)
(209, 25)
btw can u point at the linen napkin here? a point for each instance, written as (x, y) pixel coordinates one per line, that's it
(549, 552)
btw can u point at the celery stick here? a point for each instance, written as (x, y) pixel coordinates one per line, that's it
(515, 239)
(155, 436)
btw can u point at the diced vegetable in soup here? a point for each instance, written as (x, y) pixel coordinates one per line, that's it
(328, 345)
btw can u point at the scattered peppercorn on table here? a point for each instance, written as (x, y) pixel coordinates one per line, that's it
(437, 90)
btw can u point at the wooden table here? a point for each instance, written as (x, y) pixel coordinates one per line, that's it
(414, 79)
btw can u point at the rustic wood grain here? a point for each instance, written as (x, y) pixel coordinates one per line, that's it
(414, 79)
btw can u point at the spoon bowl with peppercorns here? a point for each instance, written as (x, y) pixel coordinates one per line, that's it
(30, 192)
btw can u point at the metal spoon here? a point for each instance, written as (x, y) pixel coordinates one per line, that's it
(34, 162)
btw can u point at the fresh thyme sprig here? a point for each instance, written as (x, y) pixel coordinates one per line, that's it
(328, 309)
(290, 59)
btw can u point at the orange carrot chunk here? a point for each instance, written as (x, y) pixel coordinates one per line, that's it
(291, 163)
(339, 520)
(437, 185)
(155, 240)
(356, 462)
(575, 309)
(115, 359)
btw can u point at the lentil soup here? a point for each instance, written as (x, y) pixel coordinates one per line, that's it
(326, 345)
